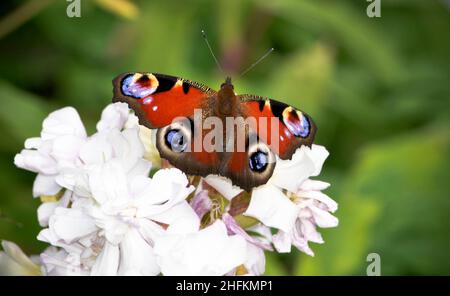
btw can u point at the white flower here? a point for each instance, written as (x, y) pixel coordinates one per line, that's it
(74, 258)
(108, 144)
(58, 262)
(14, 262)
(148, 139)
(297, 213)
(314, 209)
(201, 203)
(116, 116)
(234, 228)
(47, 209)
(64, 146)
(210, 251)
(128, 212)
(223, 185)
(255, 262)
(105, 215)
(61, 138)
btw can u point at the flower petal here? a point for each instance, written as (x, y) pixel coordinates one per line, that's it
(45, 211)
(270, 206)
(255, 262)
(33, 143)
(108, 183)
(318, 154)
(181, 218)
(64, 220)
(148, 139)
(319, 196)
(201, 203)
(309, 231)
(65, 121)
(290, 174)
(45, 185)
(114, 116)
(65, 150)
(127, 147)
(137, 256)
(234, 228)
(282, 242)
(209, 251)
(168, 187)
(141, 168)
(18, 256)
(33, 160)
(97, 149)
(107, 262)
(323, 218)
(223, 185)
(314, 185)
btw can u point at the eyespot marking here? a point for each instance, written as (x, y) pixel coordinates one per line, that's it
(258, 161)
(297, 123)
(139, 85)
(175, 140)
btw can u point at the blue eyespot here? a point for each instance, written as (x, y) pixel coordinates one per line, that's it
(304, 127)
(136, 89)
(297, 124)
(258, 161)
(175, 140)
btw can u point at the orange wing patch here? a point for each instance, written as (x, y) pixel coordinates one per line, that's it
(281, 126)
(161, 108)
(158, 99)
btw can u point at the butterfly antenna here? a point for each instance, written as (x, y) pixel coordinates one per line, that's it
(257, 62)
(211, 51)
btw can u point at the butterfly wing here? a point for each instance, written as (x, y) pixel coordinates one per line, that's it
(157, 99)
(281, 126)
(167, 103)
(252, 167)
(272, 128)
(186, 151)
(160, 100)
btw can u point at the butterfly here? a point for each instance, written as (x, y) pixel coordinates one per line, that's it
(168, 104)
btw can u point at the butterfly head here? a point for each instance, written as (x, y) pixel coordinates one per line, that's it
(227, 83)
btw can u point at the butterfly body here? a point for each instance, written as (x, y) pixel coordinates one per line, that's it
(202, 132)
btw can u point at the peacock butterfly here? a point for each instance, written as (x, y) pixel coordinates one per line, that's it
(171, 104)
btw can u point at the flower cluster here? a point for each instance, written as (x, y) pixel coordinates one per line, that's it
(110, 206)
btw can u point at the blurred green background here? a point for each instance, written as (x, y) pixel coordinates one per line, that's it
(378, 89)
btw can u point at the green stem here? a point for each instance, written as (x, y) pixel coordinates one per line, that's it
(21, 15)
